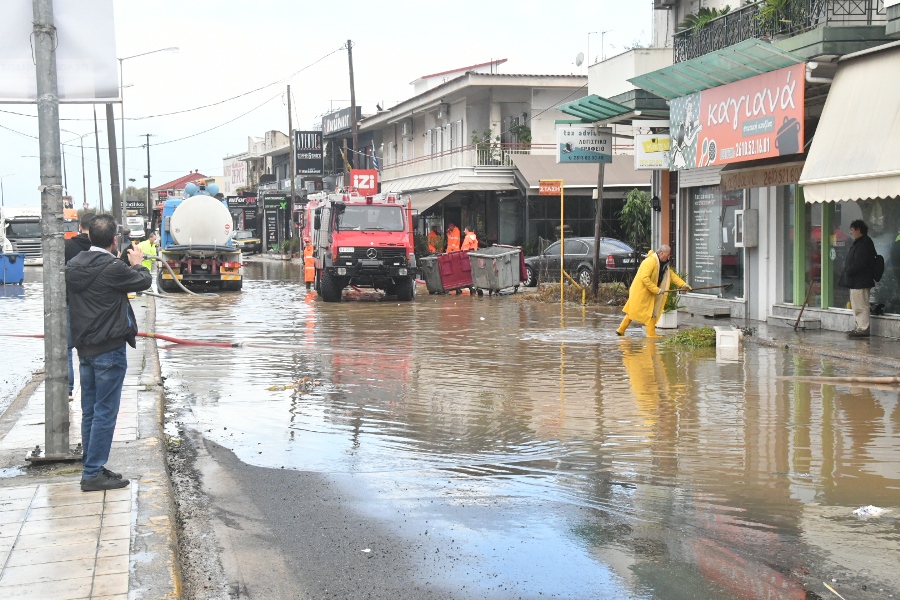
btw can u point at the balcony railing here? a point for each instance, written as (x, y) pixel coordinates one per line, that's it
(484, 155)
(798, 16)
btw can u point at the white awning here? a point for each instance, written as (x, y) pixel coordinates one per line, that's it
(422, 201)
(854, 154)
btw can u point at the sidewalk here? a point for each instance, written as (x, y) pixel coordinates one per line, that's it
(59, 542)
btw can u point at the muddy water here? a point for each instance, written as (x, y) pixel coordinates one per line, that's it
(548, 458)
(21, 313)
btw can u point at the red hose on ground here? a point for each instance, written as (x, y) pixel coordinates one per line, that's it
(157, 336)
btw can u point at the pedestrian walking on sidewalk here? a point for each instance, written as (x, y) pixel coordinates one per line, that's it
(102, 323)
(859, 276)
(73, 247)
(645, 302)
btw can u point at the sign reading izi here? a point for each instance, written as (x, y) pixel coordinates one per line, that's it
(759, 117)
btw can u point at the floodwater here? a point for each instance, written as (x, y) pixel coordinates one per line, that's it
(21, 314)
(549, 458)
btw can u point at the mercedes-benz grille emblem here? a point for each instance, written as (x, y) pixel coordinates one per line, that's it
(372, 253)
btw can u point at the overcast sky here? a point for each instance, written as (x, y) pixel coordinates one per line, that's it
(231, 47)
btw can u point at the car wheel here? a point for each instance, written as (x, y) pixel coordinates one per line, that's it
(584, 277)
(530, 278)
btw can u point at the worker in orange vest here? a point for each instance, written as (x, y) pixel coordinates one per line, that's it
(309, 265)
(453, 238)
(433, 236)
(471, 240)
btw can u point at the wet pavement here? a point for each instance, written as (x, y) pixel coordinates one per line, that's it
(527, 453)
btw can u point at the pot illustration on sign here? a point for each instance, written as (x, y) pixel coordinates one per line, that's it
(787, 140)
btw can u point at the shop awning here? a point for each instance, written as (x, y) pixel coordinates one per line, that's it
(734, 63)
(422, 201)
(620, 173)
(854, 154)
(594, 108)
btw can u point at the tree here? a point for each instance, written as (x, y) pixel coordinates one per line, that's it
(635, 218)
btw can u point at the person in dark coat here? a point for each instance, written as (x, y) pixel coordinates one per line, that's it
(102, 324)
(859, 276)
(74, 246)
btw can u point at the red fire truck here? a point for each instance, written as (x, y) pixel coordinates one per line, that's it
(363, 241)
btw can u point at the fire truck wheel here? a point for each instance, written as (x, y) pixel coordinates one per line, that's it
(406, 290)
(330, 287)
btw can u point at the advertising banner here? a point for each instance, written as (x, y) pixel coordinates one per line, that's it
(338, 121)
(86, 67)
(365, 181)
(583, 144)
(308, 145)
(759, 117)
(235, 176)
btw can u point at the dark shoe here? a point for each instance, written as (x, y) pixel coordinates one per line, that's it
(858, 333)
(101, 483)
(111, 474)
(619, 332)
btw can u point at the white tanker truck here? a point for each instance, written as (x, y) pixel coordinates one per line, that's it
(195, 242)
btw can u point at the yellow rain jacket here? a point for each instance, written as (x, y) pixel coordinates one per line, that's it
(644, 300)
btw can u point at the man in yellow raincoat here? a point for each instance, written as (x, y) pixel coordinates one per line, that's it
(645, 302)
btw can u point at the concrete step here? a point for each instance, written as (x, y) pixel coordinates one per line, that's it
(808, 323)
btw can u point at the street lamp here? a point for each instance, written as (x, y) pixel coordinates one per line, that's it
(83, 178)
(122, 97)
(2, 194)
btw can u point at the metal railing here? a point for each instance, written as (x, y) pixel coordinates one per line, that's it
(797, 16)
(485, 155)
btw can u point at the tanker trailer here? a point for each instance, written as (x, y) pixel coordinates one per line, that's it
(195, 242)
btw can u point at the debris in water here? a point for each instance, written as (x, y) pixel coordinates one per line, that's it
(366, 550)
(695, 337)
(869, 511)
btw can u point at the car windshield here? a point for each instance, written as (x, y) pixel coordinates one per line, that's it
(23, 229)
(243, 235)
(369, 217)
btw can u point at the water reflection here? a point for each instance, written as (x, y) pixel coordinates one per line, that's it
(21, 313)
(611, 464)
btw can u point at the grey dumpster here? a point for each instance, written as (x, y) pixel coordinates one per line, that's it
(432, 274)
(496, 268)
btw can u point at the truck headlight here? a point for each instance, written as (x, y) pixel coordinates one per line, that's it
(401, 271)
(341, 271)
(346, 250)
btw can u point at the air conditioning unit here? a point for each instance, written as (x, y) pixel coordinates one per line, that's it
(406, 128)
(443, 111)
(664, 4)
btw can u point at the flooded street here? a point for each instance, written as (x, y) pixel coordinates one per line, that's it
(530, 455)
(21, 314)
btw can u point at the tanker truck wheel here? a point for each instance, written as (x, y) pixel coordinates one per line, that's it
(406, 290)
(232, 286)
(330, 287)
(166, 285)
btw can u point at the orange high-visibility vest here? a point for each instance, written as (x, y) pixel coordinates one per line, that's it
(471, 241)
(432, 238)
(309, 264)
(453, 239)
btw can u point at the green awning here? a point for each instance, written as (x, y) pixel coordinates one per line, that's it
(594, 108)
(734, 63)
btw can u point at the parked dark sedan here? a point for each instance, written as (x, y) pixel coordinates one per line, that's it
(618, 261)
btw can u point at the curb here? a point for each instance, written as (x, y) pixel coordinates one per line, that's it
(868, 358)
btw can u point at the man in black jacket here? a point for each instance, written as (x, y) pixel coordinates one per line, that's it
(102, 322)
(73, 247)
(858, 276)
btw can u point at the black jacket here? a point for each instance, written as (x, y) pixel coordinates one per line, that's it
(859, 265)
(100, 314)
(77, 244)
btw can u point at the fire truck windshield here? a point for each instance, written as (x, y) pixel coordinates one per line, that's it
(369, 217)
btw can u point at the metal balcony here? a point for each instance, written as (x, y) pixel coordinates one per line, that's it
(797, 17)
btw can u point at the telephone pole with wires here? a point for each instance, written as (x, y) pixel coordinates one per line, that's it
(352, 103)
(293, 167)
(150, 213)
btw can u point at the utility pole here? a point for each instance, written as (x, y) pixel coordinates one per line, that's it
(56, 404)
(147, 135)
(598, 222)
(113, 164)
(293, 169)
(352, 104)
(99, 170)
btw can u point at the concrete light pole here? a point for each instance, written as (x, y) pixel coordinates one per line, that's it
(83, 176)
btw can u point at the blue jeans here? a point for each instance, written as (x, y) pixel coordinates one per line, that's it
(71, 347)
(101, 391)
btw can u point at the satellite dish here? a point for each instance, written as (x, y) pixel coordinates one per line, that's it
(579, 59)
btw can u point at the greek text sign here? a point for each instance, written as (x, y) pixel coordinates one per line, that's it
(550, 187)
(583, 144)
(759, 117)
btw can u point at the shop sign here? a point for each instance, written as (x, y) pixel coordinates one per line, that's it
(240, 201)
(651, 144)
(754, 118)
(583, 144)
(740, 179)
(308, 145)
(365, 181)
(550, 187)
(235, 175)
(338, 121)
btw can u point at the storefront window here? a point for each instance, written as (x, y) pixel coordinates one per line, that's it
(786, 196)
(813, 271)
(712, 257)
(883, 219)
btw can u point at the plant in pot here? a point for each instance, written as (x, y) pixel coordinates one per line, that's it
(669, 317)
(702, 17)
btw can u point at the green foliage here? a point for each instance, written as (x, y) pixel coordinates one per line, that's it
(635, 219)
(771, 11)
(695, 337)
(702, 17)
(522, 133)
(291, 246)
(421, 245)
(673, 300)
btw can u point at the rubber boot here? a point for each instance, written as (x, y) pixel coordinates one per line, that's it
(651, 327)
(623, 326)
(308, 285)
